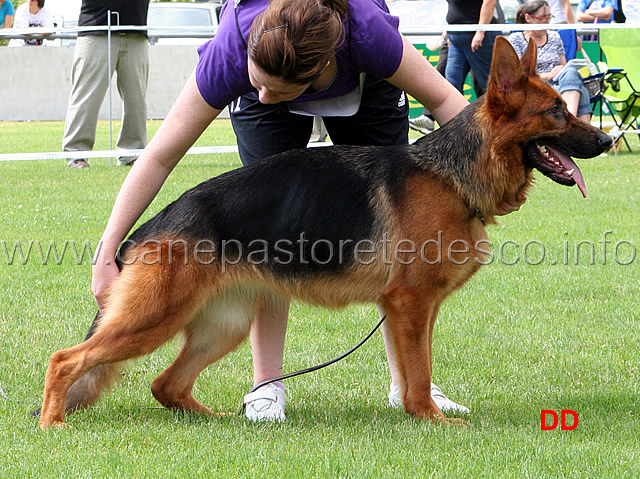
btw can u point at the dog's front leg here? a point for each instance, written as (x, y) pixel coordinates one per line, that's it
(410, 318)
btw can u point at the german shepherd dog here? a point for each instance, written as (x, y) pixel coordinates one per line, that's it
(327, 226)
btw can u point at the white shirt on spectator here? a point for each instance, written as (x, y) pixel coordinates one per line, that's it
(24, 19)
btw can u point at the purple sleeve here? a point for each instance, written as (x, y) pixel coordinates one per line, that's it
(221, 76)
(221, 73)
(377, 44)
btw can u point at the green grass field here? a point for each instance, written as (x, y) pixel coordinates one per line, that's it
(542, 327)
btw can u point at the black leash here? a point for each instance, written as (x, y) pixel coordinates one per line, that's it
(313, 368)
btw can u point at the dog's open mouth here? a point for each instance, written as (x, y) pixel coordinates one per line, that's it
(558, 166)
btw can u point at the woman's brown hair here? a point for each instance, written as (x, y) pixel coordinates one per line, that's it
(528, 7)
(294, 39)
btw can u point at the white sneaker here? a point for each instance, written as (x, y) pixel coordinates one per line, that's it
(442, 401)
(423, 124)
(265, 404)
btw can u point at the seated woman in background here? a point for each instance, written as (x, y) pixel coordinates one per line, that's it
(551, 58)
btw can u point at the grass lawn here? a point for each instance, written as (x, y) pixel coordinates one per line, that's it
(552, 323)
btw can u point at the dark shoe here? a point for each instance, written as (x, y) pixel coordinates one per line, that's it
(79, 163)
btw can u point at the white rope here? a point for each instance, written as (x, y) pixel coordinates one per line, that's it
(75, 155)
(7, 32)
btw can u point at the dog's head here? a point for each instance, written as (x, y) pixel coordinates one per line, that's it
(533, 117)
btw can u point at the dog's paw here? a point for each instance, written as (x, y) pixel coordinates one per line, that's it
(50, 423)
(54, 425)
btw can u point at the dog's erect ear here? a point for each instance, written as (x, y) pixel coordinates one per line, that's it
(506, 90)
(529, 59)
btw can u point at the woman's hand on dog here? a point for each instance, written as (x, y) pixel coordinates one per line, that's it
(103, 273)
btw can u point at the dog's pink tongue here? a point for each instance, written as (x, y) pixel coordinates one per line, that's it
(569, 165)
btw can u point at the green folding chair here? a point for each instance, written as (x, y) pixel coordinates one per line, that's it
(621, 48)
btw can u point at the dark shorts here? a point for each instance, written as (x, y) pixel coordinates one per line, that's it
(264, 130)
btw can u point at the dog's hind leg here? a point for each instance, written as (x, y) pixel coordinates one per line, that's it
(215, 331)
(148, 306)
(67, 366)
(86, 390)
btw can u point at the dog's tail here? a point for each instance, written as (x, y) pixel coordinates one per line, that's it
(86, 390)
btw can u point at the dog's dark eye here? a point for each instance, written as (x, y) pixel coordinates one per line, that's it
(554, 109)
